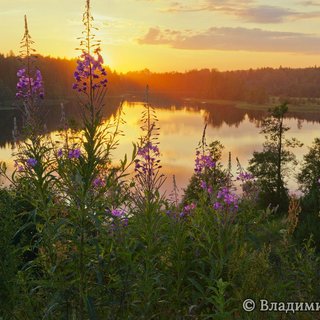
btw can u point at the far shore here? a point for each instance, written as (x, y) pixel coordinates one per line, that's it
(296, 105)
(299, 106)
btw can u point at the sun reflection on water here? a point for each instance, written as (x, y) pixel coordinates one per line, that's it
(180, 131)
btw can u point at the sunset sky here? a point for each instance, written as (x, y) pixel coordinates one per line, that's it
(176, 35)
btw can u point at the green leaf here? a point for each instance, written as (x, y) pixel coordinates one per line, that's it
(134, 152)
(197, 285)
(91, 309)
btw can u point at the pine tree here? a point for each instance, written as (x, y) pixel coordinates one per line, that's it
(271, 165)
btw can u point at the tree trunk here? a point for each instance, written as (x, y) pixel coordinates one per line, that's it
(279, 178)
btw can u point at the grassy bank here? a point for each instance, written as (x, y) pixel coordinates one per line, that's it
(303, 107)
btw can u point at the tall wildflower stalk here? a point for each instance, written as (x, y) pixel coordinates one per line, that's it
(147, 165)
(30, 85)
(90, 74)
(75, 190)
(90, 185)
(208, 174)
(175, 192)
(147, 204)
(33, 159)
(33, 178)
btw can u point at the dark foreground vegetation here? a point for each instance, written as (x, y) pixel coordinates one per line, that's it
(84, 237)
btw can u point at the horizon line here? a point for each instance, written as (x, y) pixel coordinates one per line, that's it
(11, 53)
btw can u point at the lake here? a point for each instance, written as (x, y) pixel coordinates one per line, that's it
(181, 125)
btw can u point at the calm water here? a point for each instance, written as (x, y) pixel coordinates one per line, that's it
(181, 129)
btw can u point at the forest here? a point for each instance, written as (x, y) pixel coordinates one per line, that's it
(254, 86)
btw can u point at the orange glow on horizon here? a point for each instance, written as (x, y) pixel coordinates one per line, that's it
(188, 39)
(120, 60)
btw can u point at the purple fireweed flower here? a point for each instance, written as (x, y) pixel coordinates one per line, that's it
(90, 67)
(203, 161)
(217, 206)
(60, 153)
(28, 86)
(182, 214)
(249, 185)
(245, 176)
(187, 209)
(148, 162)
(203, 185)
(31, 162)
(118, 225)
(21, 72)
(118, 213)
(19, 167)
(98, 182)
(147, 149)
(226, 200)
(74, 153)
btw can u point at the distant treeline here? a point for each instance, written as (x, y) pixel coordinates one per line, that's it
(255, 86)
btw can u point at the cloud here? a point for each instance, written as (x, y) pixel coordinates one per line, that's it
(273, 14)
(266, 14)
(234, 39)
(156, 36)
(309, 3)
(207, 5)
(245, 10)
